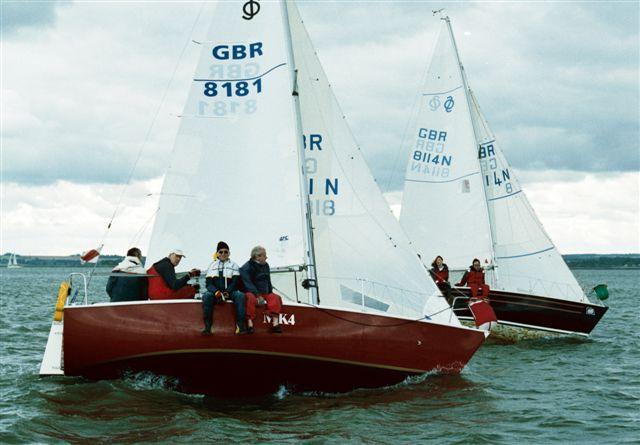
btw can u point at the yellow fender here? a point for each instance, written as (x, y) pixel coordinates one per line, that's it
(63, 293)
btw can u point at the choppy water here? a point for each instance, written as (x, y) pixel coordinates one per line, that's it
(554, 390)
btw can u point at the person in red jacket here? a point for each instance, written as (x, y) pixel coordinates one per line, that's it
(440, 274)
(164, 285)
(474, 278)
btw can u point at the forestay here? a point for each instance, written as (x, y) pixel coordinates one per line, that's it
(360, 249)
(443, 207)
(234, 172)
(528, 262)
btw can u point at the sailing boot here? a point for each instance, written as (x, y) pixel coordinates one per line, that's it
(207, 328)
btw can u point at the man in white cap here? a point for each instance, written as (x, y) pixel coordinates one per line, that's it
(164, 285)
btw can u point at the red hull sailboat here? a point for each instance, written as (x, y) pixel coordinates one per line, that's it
(264, 156)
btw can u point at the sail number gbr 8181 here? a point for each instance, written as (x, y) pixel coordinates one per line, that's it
(233, 79)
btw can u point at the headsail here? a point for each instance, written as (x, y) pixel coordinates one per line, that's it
(443, 206)
(477, 210)
(361, 250)
(528, 261)
(234, 173)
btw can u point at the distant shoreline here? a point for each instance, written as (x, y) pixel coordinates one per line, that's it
(613, 261)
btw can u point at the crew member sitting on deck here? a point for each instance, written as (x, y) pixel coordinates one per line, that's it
(474, 278)
(223, 279)
(256, 277)
(164, 285)
(440, 273)
(125, 287)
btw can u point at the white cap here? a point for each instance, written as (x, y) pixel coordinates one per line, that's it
(178, 252)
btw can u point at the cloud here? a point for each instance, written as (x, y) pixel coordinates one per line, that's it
(66, 218)
(581, 212)
(21, 15)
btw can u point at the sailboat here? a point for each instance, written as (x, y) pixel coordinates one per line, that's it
(462, 201)
(13, 262)
(264, 156)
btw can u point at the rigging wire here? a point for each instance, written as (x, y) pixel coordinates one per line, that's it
(146, 138)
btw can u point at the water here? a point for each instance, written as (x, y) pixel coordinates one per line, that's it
(549, 390)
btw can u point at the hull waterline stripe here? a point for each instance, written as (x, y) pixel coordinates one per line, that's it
(525, 254)
(536, 328)
(442, 182)
(270, 353)
(526, 304)
(505, 196)
(240, 80)
(444, 92)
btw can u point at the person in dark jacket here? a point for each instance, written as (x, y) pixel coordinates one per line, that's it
(440, 274)
(256, 277)
(474, 278)
(129, 287)
(164, 285)
(222, 282)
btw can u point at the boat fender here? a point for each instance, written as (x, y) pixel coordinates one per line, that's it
(63, 293)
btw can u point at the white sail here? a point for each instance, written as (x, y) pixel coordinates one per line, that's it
(526, 258)
(362, 255)
(234, 172)
(443, 207)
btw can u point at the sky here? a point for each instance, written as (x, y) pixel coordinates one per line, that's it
(87, 87)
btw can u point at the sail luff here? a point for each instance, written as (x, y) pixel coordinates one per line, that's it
(305, 204)
(467, 90)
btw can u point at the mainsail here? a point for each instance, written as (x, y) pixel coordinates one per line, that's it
(503, 230)
(238, 176)
(443, 207)
(234, 172)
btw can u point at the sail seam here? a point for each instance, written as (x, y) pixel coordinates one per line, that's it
(238, 80)
(438, 182)
(525, 254)
(443, 92)
(505, 196)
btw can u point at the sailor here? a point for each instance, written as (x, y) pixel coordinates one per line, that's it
(222, 282)
(256, 277)
(440, 274)
(474, 278)
(125, 287)
(164, 285)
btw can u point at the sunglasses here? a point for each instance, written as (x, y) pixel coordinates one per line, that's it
(223, 251)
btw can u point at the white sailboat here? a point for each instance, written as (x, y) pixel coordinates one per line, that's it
(13, 262)
(462, 201)
(264, 156)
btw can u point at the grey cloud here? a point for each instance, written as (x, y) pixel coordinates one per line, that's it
(18, 15)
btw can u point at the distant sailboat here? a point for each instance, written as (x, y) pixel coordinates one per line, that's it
(462, 201)
(13, 262)
(264, 156)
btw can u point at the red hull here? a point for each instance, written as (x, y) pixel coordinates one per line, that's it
(535, 312)
(322, 350)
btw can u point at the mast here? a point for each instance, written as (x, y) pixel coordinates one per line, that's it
(465, 84)
(312, 280)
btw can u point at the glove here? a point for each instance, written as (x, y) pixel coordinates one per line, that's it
(219, 295)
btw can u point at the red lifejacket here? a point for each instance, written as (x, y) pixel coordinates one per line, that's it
(475, 279)
(440, 276)
(158, 289)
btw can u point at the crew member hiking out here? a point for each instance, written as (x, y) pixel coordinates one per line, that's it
(256, 277)
(164, 285)
(474, 278)
(130, 284)
(440, 274)
(222, 282)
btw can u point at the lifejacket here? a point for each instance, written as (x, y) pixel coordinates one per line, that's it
(158, 289)
(440, 276)
(475, 278)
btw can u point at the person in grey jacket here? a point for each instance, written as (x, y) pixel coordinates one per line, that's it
(127, 286)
